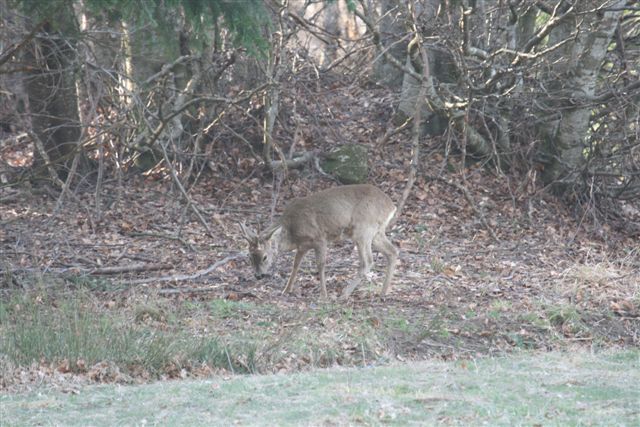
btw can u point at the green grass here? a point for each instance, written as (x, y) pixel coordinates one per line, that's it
(226, 309)
(547, 389)
(157, 338)
(73, 329)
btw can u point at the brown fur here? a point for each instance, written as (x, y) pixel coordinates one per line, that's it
(358, 212)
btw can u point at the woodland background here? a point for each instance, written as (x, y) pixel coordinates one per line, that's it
(135, 135)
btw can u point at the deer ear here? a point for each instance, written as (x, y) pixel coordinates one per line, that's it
(247, 233)
(270, 232)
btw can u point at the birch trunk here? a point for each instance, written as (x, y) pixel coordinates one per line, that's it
(566, 146)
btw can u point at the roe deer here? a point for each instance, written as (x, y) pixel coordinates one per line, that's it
(360, 212)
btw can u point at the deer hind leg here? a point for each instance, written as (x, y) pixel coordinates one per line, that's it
(294, 272)
(366, 258)
(381, 243)
(321, 256)
(366, 262)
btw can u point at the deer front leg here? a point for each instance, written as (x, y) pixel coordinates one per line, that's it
(296, 264)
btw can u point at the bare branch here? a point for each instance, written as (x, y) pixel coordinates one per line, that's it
(182, 277)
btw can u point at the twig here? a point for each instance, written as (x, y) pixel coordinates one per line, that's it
(56, 178)
(166, 69)
(45, 157)
(415, 145)
(9, 53)
(274, 71)
(393, 131)
(178, 183)
(67, 182)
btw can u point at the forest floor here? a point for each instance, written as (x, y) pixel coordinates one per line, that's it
(547, 281)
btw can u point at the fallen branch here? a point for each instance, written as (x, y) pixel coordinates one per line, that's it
(182, 277)
(96, 271)
(292, 163)
(173, 291)
(129, 268)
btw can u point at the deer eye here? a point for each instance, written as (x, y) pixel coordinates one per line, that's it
(264, 258)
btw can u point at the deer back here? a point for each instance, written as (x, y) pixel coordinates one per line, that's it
(335, 213)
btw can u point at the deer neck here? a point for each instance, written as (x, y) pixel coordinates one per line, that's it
(281, 241)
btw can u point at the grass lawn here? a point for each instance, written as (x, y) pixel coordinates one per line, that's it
(530, 388)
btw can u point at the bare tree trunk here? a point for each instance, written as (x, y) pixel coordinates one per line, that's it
(413, 60)
(566, 146)
(51, 90)
(390, 25)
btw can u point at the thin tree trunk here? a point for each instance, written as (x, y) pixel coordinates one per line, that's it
(51, 90)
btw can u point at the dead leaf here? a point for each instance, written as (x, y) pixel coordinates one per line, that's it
(63, 366)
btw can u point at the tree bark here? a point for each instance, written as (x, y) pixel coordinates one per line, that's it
(390, 25)
(51, 90)
(566, 149)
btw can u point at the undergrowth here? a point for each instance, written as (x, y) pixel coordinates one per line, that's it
(77, 331)
(40, 329)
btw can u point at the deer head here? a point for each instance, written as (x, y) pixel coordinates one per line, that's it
(262, 248)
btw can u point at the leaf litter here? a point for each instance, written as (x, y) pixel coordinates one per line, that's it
(457, 292)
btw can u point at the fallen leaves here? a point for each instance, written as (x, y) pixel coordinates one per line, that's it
(449, 264)
(625, 308)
